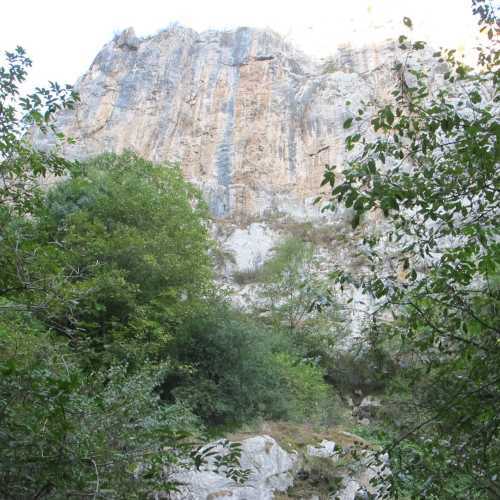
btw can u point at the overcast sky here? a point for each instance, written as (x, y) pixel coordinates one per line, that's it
(63, 37)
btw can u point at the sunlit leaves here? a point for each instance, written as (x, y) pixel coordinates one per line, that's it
(20, 163)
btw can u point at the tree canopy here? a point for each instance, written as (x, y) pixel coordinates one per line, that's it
(21, 165)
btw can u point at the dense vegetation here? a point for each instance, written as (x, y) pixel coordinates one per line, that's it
(117, 350)
(433, 173)
(114, 336)
(119, 353)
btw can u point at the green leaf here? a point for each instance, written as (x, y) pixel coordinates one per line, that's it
(407, 22)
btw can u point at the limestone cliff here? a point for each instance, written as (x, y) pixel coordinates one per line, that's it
(251, 119)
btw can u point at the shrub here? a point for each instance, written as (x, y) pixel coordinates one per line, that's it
(66, 433)
(247, 276)
(225, 368)
(119, 256)
(232, 369)
(309, 398)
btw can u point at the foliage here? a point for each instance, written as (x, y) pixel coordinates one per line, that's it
(115, 261)
(360, 370)
(231, 370)
(432, 171)
(308, 397)
(66, 433)
(96, 275)
(119, 252)
(291, 283)
(21, 165)
(295, 297)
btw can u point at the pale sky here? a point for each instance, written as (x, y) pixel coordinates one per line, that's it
(63, 37)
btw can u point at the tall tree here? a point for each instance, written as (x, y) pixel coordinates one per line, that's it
(432, 171)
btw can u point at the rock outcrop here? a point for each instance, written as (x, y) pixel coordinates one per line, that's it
(271, 469)
(252, 120)
(272, 472)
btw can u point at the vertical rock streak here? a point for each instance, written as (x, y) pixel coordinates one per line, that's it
(249, 118)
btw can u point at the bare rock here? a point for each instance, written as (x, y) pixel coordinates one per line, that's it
(326, 449)
(271, 469)
(251, 119)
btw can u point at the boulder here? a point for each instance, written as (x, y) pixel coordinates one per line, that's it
(271, 469)
(326, 449)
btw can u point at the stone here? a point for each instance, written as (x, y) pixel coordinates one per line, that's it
(274, 470)
(127, 40)
(358, 486)
(250, 246)
(348, 490)
(326, 449)
(271, 469)
(251, 119)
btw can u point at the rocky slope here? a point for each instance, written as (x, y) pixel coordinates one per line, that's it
(319, 470)
(251, 119)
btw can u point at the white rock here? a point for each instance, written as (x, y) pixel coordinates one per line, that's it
(348, 490)
(370, 401)
(358, 485)
(251, 246)
(271, 469)
(326, 449)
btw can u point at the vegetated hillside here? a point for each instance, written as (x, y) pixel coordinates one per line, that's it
(250, 119)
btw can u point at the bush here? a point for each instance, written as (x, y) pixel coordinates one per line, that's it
(361, 371)
(225, 367)
(66, 433)
(117, 259)
(231, 370)
(248, 276)
(309, 398)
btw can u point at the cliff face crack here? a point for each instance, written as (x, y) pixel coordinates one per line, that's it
(320, 150)
(263, 58)
(225, 149)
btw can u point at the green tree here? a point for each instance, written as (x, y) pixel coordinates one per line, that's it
(21, 165)
(433, 171)
(231, 369)
(65, 433)
(294, 292)
(289, 288)
(295, 298)
(120, 252)
(101, 260)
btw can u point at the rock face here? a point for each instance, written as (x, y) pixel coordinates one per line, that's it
(271, 469)
(251, 119)
(251, 246)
